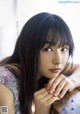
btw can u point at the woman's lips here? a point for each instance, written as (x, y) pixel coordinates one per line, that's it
(57, 70)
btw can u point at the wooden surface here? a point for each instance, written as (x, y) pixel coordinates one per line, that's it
(70, 104)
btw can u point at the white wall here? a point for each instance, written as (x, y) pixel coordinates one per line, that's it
(7, 27)
(17, 12)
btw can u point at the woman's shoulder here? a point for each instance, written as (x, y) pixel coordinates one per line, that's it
(6, 99)
(11, 84)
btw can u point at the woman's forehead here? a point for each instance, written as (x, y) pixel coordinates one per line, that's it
(54, 37)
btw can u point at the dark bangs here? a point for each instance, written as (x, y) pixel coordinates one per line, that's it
(57, 32)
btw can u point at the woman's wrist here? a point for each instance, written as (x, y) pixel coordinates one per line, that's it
(75, 81)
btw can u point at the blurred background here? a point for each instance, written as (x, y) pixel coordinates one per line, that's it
(14, 14)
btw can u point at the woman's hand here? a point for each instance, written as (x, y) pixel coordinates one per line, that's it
(60, 85)
(43, 101)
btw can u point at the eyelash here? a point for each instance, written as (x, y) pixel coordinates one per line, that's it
(63, 49)
(47, 49)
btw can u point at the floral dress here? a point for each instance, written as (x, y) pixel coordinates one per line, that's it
(12, 82)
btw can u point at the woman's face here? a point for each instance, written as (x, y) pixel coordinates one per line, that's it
(52, 60)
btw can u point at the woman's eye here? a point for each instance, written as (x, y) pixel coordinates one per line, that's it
(48, 49)
(65, 49)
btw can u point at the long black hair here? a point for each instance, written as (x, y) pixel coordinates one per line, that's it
(36, 31)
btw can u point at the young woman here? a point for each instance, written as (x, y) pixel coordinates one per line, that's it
(40, 70)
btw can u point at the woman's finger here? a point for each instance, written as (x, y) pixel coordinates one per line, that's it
(59, 88)
(50, 82)
(64, 91)
(55, 83)
(52, 100)
(40, 91)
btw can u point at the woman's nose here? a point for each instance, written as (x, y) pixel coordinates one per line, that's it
(57, 59)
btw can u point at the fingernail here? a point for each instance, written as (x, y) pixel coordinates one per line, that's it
(60, 96)
(50, 91)
(55, 94)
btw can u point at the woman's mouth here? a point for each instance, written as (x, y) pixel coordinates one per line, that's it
(56, 70)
